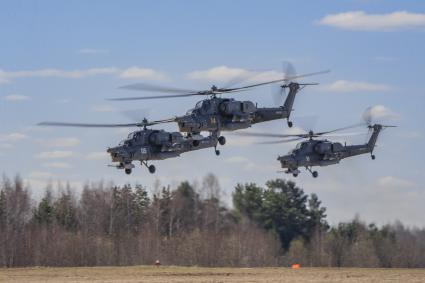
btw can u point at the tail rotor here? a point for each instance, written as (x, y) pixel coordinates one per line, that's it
(279, 91)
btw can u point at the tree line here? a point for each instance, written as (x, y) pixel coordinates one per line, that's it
(274, 225)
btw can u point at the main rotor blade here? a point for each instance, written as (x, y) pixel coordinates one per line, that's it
(83, 125)
(151, 123)
(149, 87)
(305, 135)
(290, 78)
(280, 80)
(343, 134)
(340, 129)
(267, 135)
(280, 141)
(152, 97)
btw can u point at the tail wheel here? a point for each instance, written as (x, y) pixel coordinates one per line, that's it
(222, 140)
(373, 157)
(295, 174)
(151, 169)
(315, 174)
(217, 152)
(290, 124)
(127, 171)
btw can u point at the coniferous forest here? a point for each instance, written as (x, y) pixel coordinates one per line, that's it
(272, 225)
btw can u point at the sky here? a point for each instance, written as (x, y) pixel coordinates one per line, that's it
(60, 61)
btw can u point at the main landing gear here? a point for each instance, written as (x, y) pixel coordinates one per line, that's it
(294, 172)
(221, 141)
(128, 166)
(290, 124)
(372, 156)
(151, 168)
(313, 173)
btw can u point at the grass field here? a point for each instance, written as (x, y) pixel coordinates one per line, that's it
(196, 274)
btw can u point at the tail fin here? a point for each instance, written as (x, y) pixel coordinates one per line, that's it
(374, 137)
(289, 101)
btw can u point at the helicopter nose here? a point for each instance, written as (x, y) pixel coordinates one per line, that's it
(285, 160)
(114, 151)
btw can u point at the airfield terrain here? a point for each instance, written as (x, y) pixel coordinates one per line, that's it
(196, 274)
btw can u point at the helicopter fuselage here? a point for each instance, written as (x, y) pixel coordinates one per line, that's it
(320, 153)
(314, 152)
(226, 114)
(146, 145)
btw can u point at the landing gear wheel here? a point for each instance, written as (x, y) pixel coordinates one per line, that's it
(373, 157)
(217, 152)
(127, 171)
(222, 140)
(295, 174)
(151, 169)
(315, 174)
(290, 124)
(195, 143)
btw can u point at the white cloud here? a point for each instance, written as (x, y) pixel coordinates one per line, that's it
(13, 137)
(103, 108)
(218, 74)
(361, 21)
(16, 97)
(54, 154)
(40, 175)
(142, 73)
(92, 51)
(394, 182)
(60, 165)
(379, 112)
(353, 86)
(97, 155)
(60, 142)
(130, 73)
(227, 74)
(57, 73)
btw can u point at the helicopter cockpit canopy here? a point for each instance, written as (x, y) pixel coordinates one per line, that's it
(131, 138)
(297, 148)
(201, 107)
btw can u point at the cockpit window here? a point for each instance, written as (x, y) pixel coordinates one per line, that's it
(297, 148)
(205, 105)
(199, 104)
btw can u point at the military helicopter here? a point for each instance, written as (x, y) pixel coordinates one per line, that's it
(216, 114)
(315, 152)
(147, 144)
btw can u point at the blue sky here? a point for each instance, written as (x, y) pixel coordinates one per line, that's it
(59, 61)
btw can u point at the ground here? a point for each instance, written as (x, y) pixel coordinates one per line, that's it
(216, 275)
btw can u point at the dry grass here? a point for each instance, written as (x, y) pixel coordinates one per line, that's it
(197, 274)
